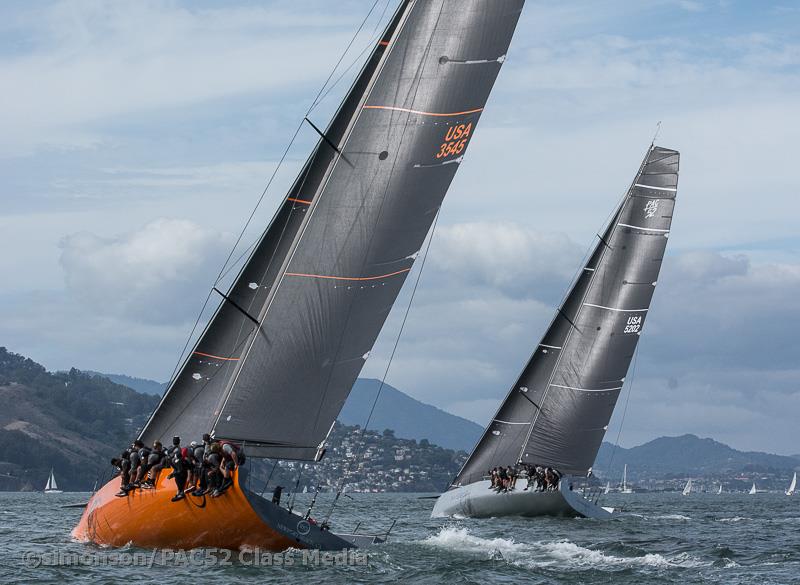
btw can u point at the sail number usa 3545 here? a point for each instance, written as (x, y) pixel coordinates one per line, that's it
(455, 140)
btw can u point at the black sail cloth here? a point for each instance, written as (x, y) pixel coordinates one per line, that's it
(327, 271)
(557, 412)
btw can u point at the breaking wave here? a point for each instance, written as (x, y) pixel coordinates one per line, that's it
(562, 554)
(671, 517)
(734, 519)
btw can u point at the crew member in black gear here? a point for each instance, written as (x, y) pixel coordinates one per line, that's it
(180, 471)
(276, 495)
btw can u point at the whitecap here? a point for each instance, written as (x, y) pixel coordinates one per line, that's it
(671, 517)
(734, 519)
(563, 553)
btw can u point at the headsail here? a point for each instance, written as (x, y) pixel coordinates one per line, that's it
(557, 412)
(276, 363)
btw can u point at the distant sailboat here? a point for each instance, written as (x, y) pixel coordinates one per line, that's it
(753, 489)
(556, 413)
(607, 489)
(792, 486)
(719, 491)
(625, 489)
(687, 489)
(52, 486)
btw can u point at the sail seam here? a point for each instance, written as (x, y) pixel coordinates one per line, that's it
(670, 189)
(216, 357)
(646, 229)
(586, 389)
(614, 309)
(437, 114)
(353, 278)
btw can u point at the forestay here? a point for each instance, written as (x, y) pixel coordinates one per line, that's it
(277, 361)
(557, 412)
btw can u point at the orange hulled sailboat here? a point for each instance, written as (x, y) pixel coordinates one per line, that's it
(279, 356)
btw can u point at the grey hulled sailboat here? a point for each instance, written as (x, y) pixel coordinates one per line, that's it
(558, 410)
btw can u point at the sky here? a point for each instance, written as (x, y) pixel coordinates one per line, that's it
(138, 136)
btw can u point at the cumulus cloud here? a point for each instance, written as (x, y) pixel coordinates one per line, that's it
(505, 256)
(148, 275)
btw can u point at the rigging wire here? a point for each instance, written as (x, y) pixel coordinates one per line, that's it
(223, 272)
(388, 365)
(625, 408)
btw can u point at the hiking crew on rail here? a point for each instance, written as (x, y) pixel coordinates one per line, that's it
(200, 468)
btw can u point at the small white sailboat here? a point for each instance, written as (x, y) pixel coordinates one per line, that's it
(625, 489)
(753, 489)
(52, 486)
(687, 489)
(607, 489)
(792, 486)
(719, 491)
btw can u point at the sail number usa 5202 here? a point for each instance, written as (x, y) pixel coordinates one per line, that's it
(634, 324)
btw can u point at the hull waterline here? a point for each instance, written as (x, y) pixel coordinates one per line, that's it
(237, 519)
(477, 500)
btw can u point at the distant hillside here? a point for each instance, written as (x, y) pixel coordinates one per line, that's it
(686, 456)
(142, 385)
(71, 421)
(395, 410)
(408, 417)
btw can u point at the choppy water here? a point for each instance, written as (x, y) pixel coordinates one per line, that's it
(660, 538)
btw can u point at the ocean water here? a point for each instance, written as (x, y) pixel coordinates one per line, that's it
(657, 538)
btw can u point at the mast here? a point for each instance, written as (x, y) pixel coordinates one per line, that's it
(280, 356)
(558, 410)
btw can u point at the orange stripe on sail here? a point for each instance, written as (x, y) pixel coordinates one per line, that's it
(356, 278)
(438, 114)
(216, 357)
(298, 200)
(383, 43)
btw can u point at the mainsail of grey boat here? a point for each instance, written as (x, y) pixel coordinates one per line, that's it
(279, 357)
(558, 410)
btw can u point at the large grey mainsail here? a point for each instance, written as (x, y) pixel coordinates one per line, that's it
(558, 410)
(277, 361)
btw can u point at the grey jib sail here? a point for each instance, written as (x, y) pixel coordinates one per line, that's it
(277, 361)
(557, 412)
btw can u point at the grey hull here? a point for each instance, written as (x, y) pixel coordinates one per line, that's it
(477, 500)
(298, 528)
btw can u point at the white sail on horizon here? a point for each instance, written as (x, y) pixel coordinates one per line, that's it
(792, 486)
(52, 486)
(625, 489)
(687, 489)
(753, 489)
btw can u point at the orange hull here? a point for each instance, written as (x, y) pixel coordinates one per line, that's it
(148, 518)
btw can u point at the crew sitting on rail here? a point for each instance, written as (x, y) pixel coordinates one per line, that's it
(123, 464)
(232, 457)
(139, 465)
(180, 471)
(156, 461)
(200, 479)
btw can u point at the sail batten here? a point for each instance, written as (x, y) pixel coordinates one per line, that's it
(572, 381)
(327, 271)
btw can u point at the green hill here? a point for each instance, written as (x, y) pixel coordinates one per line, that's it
(71, 421)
